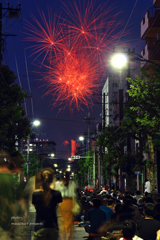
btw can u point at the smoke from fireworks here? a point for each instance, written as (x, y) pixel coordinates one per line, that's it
(74, 51)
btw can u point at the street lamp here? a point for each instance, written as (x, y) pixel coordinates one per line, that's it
(119, 60)
(81, 138)
(34, 123)
(55, 165)
(52, 154)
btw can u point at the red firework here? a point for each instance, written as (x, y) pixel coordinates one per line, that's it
(48, 35)
(78, 52)
(71, 81)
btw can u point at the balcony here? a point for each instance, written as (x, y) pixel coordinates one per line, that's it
(151, 52)
(150, 25)
(156, 3)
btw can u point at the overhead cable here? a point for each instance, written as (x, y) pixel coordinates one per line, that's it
(127, 21)
(28, 80)
(17, 66)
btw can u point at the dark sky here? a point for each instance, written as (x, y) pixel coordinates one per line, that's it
(60, 126)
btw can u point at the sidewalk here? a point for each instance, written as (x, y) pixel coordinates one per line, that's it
(80, 233)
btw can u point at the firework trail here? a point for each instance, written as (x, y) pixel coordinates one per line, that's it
(74, 51)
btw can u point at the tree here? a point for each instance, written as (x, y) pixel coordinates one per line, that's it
(132, 128)
(82, 172)
(34, 164)
(145, 92)
(113, 140)
(13, 122)
(85, 168)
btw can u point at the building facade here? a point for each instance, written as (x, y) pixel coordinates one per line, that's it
(150, 32)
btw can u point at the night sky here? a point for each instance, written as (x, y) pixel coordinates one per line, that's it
(64, 125)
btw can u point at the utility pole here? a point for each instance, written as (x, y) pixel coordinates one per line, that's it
(12, 13)
(0, 33)
(28, 141)
(88, 120)
(104, 111)
(94, 167)
(89, 133)
(89, 146)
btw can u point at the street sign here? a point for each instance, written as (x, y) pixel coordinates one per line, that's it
(138, 172)
(75, 157)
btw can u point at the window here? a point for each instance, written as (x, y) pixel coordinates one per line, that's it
(143, 51)
(144, 20)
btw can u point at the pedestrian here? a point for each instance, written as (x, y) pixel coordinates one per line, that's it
(129, 230)
(65, 220)
(148, 227)
(97, 218)
(138, 196)
(147, 187)
(107, 210)
(103, 191)
(46, 201)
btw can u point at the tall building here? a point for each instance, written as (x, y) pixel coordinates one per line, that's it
(150, 32)
(43, 147)
(110, 103)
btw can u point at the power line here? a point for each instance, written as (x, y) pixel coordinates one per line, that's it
(26, 65)
(127, 21)
(65, 120)
(17, 66)
(140, 23)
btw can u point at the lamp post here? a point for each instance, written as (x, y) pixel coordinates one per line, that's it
(119, 60)
(34, 123)
(81, 138)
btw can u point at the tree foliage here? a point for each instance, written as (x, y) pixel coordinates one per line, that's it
(13, 122)
(113, 141)
(84, 164)
(145, 92)
(34, 164)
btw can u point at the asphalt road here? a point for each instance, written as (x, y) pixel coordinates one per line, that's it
(80, 233)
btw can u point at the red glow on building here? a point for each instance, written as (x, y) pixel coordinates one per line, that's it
(65, 143)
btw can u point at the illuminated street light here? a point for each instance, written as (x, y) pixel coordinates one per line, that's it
(69, 159)
(69, 166)
(55, 165)
(68, 169)
(119, 60)
(36, 123)
(81, 138)
(60, 171)
(52, 154)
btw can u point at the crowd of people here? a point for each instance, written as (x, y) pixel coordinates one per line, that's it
(48, 209)
(107, 214)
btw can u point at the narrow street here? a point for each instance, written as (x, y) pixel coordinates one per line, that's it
(80, 233)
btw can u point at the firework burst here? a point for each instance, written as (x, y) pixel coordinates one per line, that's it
(48, 35)
(75, 51)
(72, 81)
